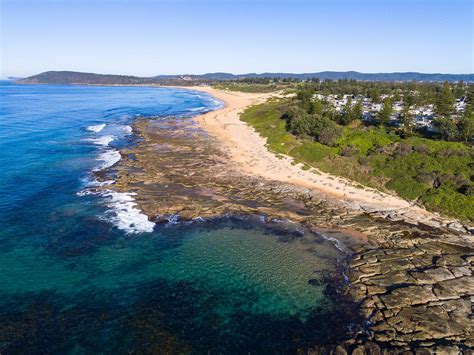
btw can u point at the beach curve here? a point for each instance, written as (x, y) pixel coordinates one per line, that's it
(250, 155)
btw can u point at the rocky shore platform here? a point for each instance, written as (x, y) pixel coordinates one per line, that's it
(411, 279)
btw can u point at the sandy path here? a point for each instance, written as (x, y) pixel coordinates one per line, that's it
(248, 151)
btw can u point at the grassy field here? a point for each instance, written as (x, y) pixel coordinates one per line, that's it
(435, 173)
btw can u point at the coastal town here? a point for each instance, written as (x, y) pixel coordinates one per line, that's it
(422, 117)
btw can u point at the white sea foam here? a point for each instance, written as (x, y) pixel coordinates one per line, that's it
(96, 128)
(122, 209)
(124, 213)
(86, 192)
(197, 108)
(127, 129)
(104, 140)
(339, 246)
(91, 182)
(91, 186)
(108, 159)
(218, 103)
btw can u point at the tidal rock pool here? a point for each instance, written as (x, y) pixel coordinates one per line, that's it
(227, 284)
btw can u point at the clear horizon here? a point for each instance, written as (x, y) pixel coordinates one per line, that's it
(148, 38)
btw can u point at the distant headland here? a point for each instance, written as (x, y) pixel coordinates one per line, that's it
(71, 77)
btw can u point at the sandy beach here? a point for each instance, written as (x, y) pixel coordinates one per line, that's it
(249, 153)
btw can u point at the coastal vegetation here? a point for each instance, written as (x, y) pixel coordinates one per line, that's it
(257, 85)
(434, 168)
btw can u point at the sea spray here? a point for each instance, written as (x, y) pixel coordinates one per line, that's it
(108, 158)
(122, 208)
(103, 141)
(127, 129)
(96, 128)
(124, 213)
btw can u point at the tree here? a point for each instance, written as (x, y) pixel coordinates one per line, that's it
(466, 126)
(304, 96)
(325, 131)
(357, 110)
(385, 112)
(459, 89)
(447, 129)
(297, 120)
(345, 116)
(408, 98)
(375, 95)
(317, 107)
(406, 120)
(301, 125)
(396, 96)
(445, 101)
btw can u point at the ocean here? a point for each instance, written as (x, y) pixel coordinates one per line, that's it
(85, 272)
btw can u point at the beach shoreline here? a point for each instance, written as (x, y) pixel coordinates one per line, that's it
(248, 152)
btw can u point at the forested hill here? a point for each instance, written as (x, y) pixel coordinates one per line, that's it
(70, 77)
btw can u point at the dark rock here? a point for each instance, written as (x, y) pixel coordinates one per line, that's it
(339, 350)
(314, 282)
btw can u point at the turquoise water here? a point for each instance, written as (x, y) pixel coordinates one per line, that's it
(82, 273)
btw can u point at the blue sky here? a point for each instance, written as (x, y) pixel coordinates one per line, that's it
(145, 37)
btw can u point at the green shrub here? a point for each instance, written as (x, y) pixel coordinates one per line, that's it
(365, 139)
(312, 152)
(450, 202)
